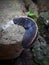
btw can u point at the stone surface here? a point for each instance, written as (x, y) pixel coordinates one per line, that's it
(12, 34)
(43, 24)
(10, 9)
(43, 5)
(40, 52)
(24, 59)
(39, 47)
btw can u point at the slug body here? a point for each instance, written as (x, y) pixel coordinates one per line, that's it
(31, 30)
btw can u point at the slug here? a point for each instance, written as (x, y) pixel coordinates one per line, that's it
(30, 27)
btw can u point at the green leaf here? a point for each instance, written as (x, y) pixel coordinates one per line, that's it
(45, 62)
(31, 14)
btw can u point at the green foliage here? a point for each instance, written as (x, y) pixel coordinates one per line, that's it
(45, 62)
(40, 62)
(31, 14)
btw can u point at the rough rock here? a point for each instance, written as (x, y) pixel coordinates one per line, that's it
(40, 47)
(43, 24)
(43, 5)
(10, 9)
(24, 59)
(12, 34)
(11, 40)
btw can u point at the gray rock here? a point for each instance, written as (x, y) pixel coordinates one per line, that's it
(11, 41)
(40, 48)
